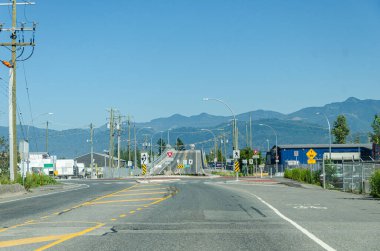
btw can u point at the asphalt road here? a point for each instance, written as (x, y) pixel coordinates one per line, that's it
(192, 214)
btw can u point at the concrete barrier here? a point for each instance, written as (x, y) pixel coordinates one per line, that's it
(13, 188)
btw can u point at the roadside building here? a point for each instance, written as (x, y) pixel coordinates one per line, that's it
(100, 160)
(295, 155)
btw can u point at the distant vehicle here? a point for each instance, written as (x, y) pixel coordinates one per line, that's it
(67, 168)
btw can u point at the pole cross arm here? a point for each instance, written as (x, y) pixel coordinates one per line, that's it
(18, 44)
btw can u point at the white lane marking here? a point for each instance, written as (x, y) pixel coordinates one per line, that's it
(82, 186)
(302, 229)
(295, 224)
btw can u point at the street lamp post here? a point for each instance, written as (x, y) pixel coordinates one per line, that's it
(328, 123)
(32, 121)
(275, 133)
(134, 128)
(324, 171)
(169, 135)
(216, 155)
(234, 128)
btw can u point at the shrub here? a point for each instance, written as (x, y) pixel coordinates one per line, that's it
(303, 175)
(35, 180)
(288, 173)
(375, 184)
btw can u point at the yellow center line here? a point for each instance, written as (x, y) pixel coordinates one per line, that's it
(122, 215)
(148, 189)
(120, 201)
(135, 194)
(129, 188)
(70, 236)
(132, 212)
(12, 243)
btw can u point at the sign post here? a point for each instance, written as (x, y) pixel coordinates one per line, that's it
(311, 154)
(144, 162)
(236, 156)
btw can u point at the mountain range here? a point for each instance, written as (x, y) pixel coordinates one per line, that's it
(300, 127)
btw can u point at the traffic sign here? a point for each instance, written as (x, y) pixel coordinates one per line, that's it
(256, 157)
(311, 161)
(143, 167)
(180, 166)
(169, 154)
(311, 154)
(244, 161)
(184, 161)
(190, 161)
(236, 154)
(237, 166)
(251, 161)
(144, 158)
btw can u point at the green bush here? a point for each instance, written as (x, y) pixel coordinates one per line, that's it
(288, 173)
(302, 175)
(35, 180)
(4, 180)
(375, 184)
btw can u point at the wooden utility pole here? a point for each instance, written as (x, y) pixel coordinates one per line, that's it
(129, 138)
(111, 148)
(92, 147)
(118, 140)
(12, 83)
(47, 136)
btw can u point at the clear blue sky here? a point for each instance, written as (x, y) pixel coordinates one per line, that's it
(155, 58)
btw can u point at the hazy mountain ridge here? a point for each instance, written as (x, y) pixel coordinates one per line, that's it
(303, 126)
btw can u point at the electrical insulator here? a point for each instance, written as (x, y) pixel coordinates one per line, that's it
(6, 63)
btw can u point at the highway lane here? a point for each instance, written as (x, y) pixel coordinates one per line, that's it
(25, 208)
(202, 214)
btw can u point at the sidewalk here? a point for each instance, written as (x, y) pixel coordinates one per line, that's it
(294, 183)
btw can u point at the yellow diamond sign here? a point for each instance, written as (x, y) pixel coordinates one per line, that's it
(311, 154)
(311, 161)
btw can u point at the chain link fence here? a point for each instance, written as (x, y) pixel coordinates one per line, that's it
(349, 176)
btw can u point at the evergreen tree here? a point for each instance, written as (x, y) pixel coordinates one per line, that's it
(161, 146)
(180, 145)
(375, 136)
(340, 130)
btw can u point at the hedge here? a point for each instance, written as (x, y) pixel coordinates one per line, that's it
(375, 184)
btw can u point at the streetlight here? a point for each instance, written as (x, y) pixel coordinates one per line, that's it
(224, 141)
(275, 133)
(151, 145)
(324, 170)
(235, 135)
(216, 155)
(328, 123)
(46, 134)
(134, 128)
(168, 145)
(234, 128)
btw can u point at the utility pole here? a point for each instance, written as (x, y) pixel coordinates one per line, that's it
(92, 148)
(111, 147)
(47, 136)
(250, 131)
(246, 134)
(118, 140)
(12, 81)
(129, 138)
